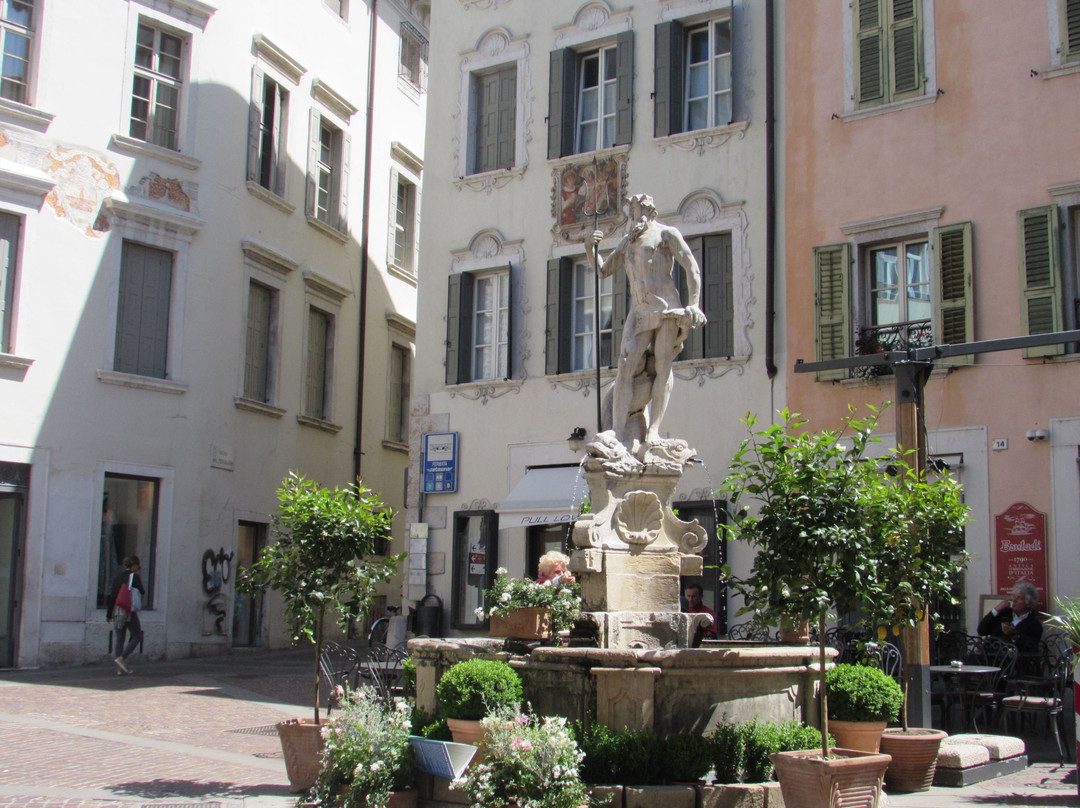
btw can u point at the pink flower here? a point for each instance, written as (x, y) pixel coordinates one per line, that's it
(521, 745)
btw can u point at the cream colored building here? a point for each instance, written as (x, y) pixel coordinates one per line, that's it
(542, 118)
(182, 189)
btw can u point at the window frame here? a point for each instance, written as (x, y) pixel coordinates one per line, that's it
(10, 274)
(462, 615)
(581, 325)
(30, 33)
(262, 390)
(330, 177)
(272, 269)
(157, 78)
(716, 339)
(141, 359)
(499, 312)
(404, 167)
(318, 364)
(399, 392)
(711, 108)
(323, 295)
(413, 43)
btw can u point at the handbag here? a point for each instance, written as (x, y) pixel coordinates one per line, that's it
(123, 597)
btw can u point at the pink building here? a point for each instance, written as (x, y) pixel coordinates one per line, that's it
(932, 196)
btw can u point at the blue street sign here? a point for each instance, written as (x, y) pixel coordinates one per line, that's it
(440, 462)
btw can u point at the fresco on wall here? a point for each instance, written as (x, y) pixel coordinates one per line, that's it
(83, 184)
(588, 195)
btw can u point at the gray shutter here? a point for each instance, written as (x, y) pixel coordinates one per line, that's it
(832, 331)
(694, 348)
(459, 328)
(487, 122)
(342, 174)
(507, 117)
(1071, 29)
(142, 320)
(1040, 266)
(313, 163)
(255, 111)
(392, 214)
(560, 278)
(668, 79)
(256, 364)
(624, 87)
(561, 94)
(906, 49)
(716, 297)
(315, 379)
(9, 246)
(869, 57)
(280, 139)
(510, 320)
(953, 311)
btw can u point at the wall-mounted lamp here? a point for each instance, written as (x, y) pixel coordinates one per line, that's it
(1037, 434)
(577, 439)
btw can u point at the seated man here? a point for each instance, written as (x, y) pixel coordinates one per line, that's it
(1015, 619)
(695, 605)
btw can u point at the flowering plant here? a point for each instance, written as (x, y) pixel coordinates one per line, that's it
(366, 753)
(507, 594)
(529, 762)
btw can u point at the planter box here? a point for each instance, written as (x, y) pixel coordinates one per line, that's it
(734, 795)
(532, 623)
(607, 796)
(849, 779)
(655, 796)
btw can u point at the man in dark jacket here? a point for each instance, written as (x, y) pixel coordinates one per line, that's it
(1015, 619)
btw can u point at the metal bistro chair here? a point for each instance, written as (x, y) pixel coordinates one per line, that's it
(384, 669)
(989, 691)
(881, 655)
(339, 665)
(1044, 698)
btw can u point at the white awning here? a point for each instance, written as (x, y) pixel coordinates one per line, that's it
(545, 496)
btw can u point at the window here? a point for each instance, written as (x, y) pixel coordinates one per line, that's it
(478, 327)
(571, 303)
(10, 226)
(693, 77)
(142, 320)
(584, 306)
(155, 95)
(412, 61)
(888, 51)
(261, 338)
(17, 27)
(1041, 279)
(404, 212)
(339, 7)
(495, 119)
(717, 337)
(129, 527)
(590, 97)
(327, 194)
(317, 371)
(476, 549)
(399, 390)
(1070, 30)
(913, 291)
(269, 115)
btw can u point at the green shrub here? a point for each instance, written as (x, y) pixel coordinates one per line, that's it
(470, 690)
(795, 736)
(686, 757)
(408, 678)
(727, 750)
(620, 757)
(601, 765)
(428, 726)
(760, 740)
(862, 693)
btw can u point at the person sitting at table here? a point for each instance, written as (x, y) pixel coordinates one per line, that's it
(552, 567)
(695, 605)
(1014, 618)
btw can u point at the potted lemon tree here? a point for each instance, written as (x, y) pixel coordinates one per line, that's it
(815, 533)
(324, 565)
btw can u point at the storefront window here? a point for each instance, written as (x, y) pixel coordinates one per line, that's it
(129, 514)
(475, 560)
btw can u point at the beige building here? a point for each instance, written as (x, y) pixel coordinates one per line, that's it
(933, 198)
(185, 302)
(542, 118)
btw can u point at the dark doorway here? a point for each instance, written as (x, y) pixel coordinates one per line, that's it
(14, 485)
(247, 609)
(709, 514)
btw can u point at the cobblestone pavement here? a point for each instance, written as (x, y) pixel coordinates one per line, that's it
(194, 733)
(199, 733)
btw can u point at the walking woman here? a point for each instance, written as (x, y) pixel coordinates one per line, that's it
(125, 621)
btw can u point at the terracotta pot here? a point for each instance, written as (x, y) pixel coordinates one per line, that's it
(862, 735)
(850, 778)
(301, 744)
(403, 799)
(532, 623)
(794, 631)
(914, 758)
(466, 731)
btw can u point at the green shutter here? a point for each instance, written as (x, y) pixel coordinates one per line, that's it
(1071, 30)
(458, 327)
(560, 284)
(870, 57)
(668, 79)
(561, 91)
(832, 331)
(906, 49)
(624, 87)
(953, 310)
(1040, 267)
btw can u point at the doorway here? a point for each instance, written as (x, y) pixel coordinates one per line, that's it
(710, 514)
(247, 609)
(14, 484)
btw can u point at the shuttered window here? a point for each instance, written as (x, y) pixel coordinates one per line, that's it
(142, 319)
(832, 329)
(479, 331)
(260, 322)
(399, 391)
(1070, 28)
(717, 337)
(317, 370)
(954, 314)
(267, 125)
(156, 87)
(495, 119)
(888, 52)
(327, 197)
(1040, 276)
(590, 98)
(10, 226)
(570, 344)
(694, 82)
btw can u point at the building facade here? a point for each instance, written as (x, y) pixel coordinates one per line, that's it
(933, 198)
(186, 305)
(543, 118)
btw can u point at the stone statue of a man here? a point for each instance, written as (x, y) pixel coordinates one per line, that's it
(657, 324)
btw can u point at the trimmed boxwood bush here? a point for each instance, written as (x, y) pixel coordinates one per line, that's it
(740, 752)
(471, 689)
(686, 757)
(862, 693)
(620, 757)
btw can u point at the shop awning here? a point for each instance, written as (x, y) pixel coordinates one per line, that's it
(545, 496)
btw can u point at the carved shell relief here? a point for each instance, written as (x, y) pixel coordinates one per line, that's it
(639, 518)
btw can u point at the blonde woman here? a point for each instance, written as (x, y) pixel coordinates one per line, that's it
(552, 567)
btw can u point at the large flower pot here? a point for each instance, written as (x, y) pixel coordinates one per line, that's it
(531, 623)
(862, 735)
(403, 799)
(849, 778)
(914, 757)
(466, 731)
(301, 745)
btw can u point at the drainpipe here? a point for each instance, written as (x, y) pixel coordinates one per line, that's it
(770, 192)
(365, 226)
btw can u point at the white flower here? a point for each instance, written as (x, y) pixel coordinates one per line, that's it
(505, 597)
(501, 571)
(479, 612)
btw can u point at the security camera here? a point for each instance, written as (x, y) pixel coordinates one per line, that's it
(1037, 434)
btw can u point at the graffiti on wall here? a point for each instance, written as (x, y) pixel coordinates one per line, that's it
(216, 571)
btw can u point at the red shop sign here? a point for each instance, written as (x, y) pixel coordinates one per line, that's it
(1020, 536)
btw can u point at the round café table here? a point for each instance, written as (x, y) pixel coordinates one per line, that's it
(956, 691)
